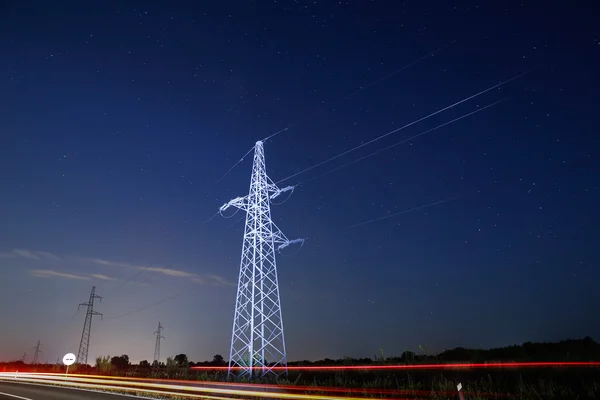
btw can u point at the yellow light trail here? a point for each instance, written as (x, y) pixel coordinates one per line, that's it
(131, 385)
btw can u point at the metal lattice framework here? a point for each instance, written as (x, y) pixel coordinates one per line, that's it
(36, 354)
(257, 339)
(157, 345)
(84, 345)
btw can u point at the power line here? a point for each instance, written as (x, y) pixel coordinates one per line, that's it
(402, 142)
(72, 318)
(150, 305)
(467, 194)
(236, 164)
(130, 279)
(153, 275)
(320, 110)
(406, 126)
(435, 203)
(361, 89)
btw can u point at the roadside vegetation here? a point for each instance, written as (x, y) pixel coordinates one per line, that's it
(478, 383)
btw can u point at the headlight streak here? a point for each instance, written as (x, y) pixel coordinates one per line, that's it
(292, 388)
(158, 389)
(183, 387)
(111, 387)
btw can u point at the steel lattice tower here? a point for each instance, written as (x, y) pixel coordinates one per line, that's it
(37, 350)
(257, 339)
(84, 345)
(157, 345)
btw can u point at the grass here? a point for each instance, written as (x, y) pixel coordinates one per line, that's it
(539, 383)
(508, 383)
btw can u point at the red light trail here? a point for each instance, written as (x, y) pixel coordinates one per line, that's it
(544, 364)
(265, 390)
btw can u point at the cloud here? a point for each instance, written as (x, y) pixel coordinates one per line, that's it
(214, 280)
(102, 277)
(47, 273)
(29, 254)
(45, 254)
(100, 261)
(210, 279)
(176, 273)
(171, 272)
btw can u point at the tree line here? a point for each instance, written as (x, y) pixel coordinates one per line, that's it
(108, 363)
(585, 349)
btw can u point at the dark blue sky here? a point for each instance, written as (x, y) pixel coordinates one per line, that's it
(118, 118)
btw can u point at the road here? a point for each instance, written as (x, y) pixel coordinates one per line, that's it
(16, 391)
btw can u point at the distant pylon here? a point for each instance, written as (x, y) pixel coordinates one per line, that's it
(257, 340)
(24, 358)
(36, 354)
(84, 345)
(157, 345)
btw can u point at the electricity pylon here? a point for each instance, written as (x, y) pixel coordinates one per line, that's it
(37, 350)
(257, 340)
(84, 345)
(157, 345)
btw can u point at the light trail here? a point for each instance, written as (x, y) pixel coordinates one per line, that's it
(183, 384)
(160, 389)
(104, 387)
(407, 125)
(224, 390)
(541, 364)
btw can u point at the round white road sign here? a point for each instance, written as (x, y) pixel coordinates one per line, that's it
(69, 359)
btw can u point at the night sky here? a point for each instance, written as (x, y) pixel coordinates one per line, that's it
(118, 118)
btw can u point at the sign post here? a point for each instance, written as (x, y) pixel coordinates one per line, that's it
(68, 359)
(459, 388)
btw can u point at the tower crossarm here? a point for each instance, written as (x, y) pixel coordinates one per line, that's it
(281, 240)
(243, 203)
(278, 236)
(97, 313)
(276, 191)
(239, 202)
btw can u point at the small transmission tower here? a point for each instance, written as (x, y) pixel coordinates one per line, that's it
(36, 354)
(84, 345)
(257, 340)
(157, 345)
(24, 358)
